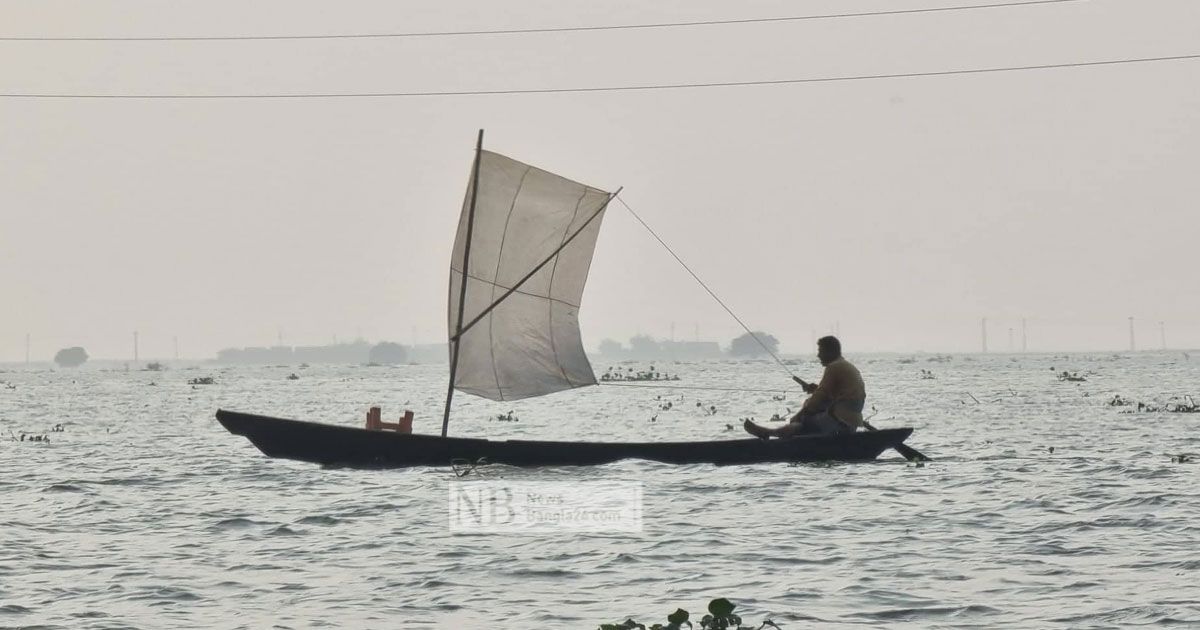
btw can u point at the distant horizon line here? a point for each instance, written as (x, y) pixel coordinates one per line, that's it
(783, 355)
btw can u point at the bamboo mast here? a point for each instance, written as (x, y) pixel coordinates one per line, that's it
(462, 292)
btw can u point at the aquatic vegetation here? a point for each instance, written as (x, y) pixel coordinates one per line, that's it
(775, 417)
(1071, 377)
(27, 436)
(1177, 404)
(1186, 405)
(720, 617)
(1118, 401)
(640, 375)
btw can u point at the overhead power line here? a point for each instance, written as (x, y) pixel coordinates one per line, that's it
(526, 31)
(619, 88)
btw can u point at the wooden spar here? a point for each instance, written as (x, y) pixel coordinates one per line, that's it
(463, 329)
(462, 293)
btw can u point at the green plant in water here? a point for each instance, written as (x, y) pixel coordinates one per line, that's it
(720, 617)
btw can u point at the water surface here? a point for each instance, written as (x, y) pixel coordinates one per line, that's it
(1046, 507)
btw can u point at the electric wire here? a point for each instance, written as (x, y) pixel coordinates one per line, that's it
(615, 88)
(527, 31)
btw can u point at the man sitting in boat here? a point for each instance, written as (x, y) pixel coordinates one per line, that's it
(835, 405)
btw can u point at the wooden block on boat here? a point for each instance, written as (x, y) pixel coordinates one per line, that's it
(374, 419)
(375, 422)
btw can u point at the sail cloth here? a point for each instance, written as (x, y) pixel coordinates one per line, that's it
(529, 345)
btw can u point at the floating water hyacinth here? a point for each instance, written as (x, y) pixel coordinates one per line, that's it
(651, 374)
(720, 617)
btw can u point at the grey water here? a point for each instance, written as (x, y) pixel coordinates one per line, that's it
(1044, 507)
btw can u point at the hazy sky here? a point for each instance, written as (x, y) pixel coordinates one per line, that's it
(900, 210)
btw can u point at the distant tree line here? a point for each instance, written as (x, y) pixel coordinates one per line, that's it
(646, 347)
(753, 345)
(356, 352)
(71, 357)
(387, 352)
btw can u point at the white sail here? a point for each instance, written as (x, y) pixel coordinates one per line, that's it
(528, 345)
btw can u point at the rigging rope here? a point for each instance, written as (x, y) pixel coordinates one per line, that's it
(697, 387)
(710, 291)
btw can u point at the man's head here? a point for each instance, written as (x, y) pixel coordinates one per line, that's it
(829, 349)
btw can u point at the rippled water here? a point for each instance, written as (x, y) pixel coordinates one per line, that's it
(145, 513)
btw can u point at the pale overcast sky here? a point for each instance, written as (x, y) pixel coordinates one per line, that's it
(900, 211)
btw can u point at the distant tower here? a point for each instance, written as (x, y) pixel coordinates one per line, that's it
(1162, 334)
(26, 348)
(1132, 345)
(135, 347)
(1024, 337)
(983, 333)
(1010, 339)
(176, 339)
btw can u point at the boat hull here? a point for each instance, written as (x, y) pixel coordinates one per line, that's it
(341, 446)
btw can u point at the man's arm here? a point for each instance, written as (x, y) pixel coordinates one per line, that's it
(807, 387)
(820, 398)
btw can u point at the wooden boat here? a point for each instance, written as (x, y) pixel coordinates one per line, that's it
(520, 261)
(351, 447)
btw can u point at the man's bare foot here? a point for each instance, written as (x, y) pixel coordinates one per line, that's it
(762, 433)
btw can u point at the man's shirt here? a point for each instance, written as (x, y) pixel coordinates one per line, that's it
(841, 391)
